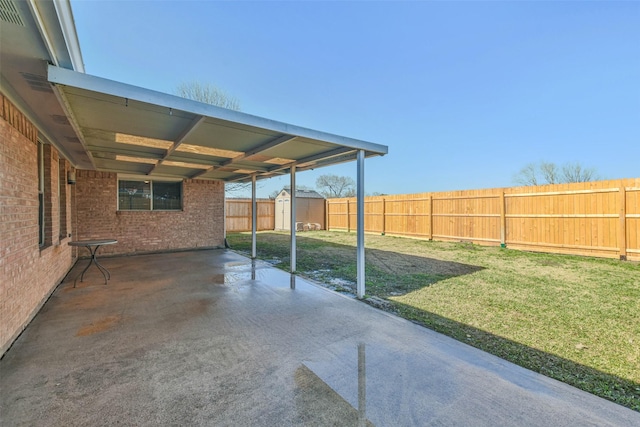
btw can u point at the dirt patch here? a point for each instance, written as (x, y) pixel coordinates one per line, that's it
(99, 326)
(398, 263)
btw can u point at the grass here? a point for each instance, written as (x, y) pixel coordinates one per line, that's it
(575, 319)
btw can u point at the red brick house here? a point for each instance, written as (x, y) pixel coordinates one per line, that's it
(86, 158)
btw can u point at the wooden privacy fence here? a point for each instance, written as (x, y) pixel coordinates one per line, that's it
(594, 218)
(238, 214)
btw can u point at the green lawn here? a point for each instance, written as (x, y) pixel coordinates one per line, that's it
(576, 319)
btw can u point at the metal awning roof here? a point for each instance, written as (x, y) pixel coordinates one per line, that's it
(131, 130)
(104, 125)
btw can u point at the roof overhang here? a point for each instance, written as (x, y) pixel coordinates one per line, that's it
(132, 130)
(32, 35)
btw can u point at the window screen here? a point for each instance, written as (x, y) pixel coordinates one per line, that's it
(167, 195)
(134, 195)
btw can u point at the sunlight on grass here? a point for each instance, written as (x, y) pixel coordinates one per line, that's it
(581, 325)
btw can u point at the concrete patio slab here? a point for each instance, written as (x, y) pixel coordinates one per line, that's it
(210, 338)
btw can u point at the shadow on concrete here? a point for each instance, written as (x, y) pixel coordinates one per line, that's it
(212, 338)
(314, 396)
(608, 386)
(387, 273)
(391, 274)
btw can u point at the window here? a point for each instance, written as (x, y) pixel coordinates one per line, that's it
(134, 195)
(63, 189)
(41, 193)
(149, 195)
(167, 196)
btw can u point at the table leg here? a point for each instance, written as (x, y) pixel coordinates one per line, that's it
(102, 268)
(93, 260)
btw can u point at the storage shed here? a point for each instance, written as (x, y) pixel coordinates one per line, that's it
(310, 210)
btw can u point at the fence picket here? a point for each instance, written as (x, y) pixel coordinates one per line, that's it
(580, 218)
(599, 219)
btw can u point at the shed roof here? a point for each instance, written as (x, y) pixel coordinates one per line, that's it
(303, 193)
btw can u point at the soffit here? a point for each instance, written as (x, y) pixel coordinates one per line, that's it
(132, 130)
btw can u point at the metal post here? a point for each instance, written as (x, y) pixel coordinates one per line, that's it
(293, 219)
(254, 218)
(360, 288)
(224, 219)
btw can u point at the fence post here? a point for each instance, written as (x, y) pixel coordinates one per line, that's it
(622, 228)
(503, 221)
(348, 217)
(326, 214)
(430, 204)
(384, 216)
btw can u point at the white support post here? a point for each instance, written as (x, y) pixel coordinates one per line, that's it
(254, 218)
(293, 219)
(360, 287)
(224, 220)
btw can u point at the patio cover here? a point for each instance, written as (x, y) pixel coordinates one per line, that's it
(134, 131)
(131, 130)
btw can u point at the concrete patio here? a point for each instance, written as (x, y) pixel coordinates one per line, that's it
(210, 338)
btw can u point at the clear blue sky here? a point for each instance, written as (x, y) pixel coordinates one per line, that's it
(463, 93)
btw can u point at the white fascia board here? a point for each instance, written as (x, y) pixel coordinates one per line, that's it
(56, 25)
(44, 33)
(64, 104)
(71, 78)
(68, 27)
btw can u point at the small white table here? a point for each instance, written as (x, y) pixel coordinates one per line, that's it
(93, 246)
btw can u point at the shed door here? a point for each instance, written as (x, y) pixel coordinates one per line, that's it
(283, 214)
(285, 217)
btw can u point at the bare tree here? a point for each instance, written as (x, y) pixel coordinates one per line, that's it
(549, 173)
(207, 93)
(528, 175)
(574, 172)
(274, 194)
(210, 94)
(239, 189)
(336, 186)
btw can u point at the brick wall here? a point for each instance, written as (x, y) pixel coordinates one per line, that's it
(199, 225)
(28, 272)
